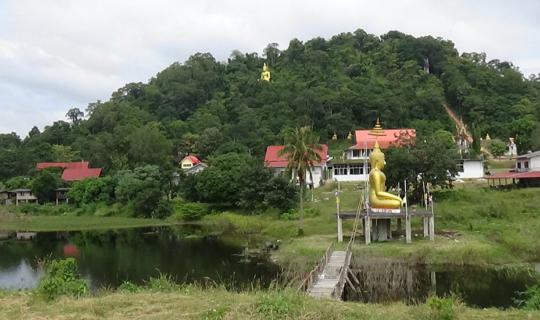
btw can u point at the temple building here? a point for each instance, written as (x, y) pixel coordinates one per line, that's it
(353, 165)
(278, 163)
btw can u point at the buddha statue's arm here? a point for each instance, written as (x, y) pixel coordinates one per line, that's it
(383, 194)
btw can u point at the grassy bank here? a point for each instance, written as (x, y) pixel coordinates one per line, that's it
(473, 226)
(215, 303)
(13, 222)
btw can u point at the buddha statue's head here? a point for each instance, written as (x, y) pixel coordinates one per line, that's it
(376, 158)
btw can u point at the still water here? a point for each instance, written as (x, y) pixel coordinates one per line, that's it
(383, 281)
(107, 258)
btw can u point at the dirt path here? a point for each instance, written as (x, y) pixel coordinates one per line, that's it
(459, 123)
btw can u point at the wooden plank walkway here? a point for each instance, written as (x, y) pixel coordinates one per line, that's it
(328, 280)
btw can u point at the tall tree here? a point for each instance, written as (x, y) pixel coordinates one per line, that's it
(301, 149)
(75, 115)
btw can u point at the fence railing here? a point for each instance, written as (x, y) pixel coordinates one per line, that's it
(313, 275)
(338, 290)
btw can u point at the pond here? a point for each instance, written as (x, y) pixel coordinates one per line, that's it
(108, 258)
(381, 280)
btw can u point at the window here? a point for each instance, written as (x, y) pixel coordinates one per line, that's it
(460, 167)
(340, 169)
(356, 153)
(526, 166)
(356, 168)
(519, 165)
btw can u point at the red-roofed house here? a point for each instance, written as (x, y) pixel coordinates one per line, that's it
(191, 164)
(278, 163)
(80, 174)
(73, 171)
(354, 165)
(63, 165)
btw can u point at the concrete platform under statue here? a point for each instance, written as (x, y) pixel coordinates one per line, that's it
(380, 222)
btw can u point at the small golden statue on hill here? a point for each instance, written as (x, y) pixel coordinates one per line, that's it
(378, 197)
(265, 74)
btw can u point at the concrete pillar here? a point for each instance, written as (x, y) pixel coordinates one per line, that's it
(367, 233)
(426, 226)
(340, 229)
(381, 230)
(432, 228)
(408, 236)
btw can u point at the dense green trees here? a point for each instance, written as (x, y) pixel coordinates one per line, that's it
(430, 159)
(239, 180)
(45, 183)
(336, 85)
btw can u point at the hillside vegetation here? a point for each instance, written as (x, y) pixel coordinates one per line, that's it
(335, 85)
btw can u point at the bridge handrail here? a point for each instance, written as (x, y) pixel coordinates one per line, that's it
(338, 290)
(313, 275)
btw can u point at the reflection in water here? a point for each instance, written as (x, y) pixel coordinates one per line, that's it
(21, 276)
(382, 280)
(107, 258)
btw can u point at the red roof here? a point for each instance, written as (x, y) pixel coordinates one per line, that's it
(274, 160)
(515, 175)
(390, 137)
(193, 159)
(63, 165)
(80, 174)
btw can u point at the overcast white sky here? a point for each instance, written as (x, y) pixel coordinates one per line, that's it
(58, 54)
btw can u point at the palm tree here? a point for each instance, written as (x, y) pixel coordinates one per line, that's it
(301, 149)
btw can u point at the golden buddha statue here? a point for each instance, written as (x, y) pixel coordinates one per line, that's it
(265, 74)
(378, 197)
(349, 136)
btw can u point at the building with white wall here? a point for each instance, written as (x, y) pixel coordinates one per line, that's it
(528, 162)
(470, 169)
(354, 164)
(278, 163)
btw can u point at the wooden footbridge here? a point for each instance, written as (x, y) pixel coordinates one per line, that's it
(328, 278)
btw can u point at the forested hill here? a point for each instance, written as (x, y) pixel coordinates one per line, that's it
(335, 85)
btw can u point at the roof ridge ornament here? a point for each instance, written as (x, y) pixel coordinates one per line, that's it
(377, 129)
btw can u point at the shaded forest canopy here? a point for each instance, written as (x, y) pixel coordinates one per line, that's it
(334, 85)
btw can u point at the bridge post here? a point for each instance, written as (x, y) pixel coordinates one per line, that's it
(339, 229)
(367, 226)
(431, 228)
(408, 238)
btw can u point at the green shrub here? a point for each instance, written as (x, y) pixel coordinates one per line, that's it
(530, 299)
(216, 313)
(162, 283)
(289, 215)
(190, 211)
(442, 308)
(128, 286)
(278, 305)
(163, 209)
(61, 278)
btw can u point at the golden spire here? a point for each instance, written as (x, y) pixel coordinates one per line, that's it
(377, 129)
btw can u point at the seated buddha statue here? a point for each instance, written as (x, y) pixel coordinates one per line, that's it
(265, 74)
(378, 197)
